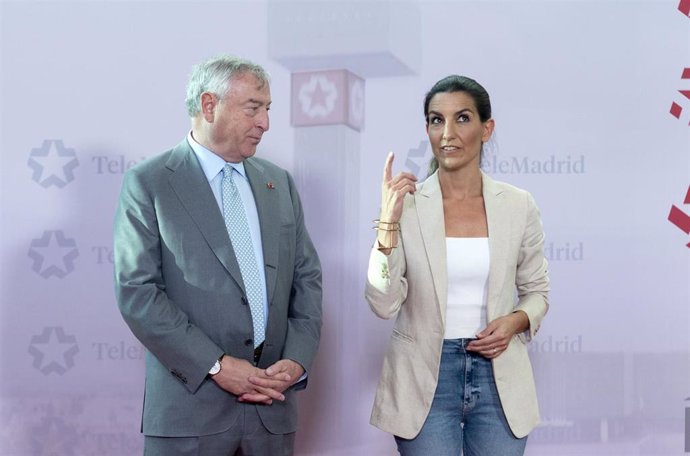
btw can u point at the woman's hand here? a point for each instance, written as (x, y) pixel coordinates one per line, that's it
(494, 339)
(393, 191)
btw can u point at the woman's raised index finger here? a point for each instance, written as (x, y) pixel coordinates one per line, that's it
(388, 167)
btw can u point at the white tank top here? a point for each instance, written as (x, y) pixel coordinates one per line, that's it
(468, 282)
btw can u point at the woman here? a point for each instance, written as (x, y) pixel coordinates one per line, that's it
(450, 253)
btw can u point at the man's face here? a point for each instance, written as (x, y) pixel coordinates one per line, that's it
(240, 118)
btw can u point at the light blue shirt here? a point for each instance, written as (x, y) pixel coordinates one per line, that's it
(212, 165)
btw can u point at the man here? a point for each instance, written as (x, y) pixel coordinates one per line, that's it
(216, 275)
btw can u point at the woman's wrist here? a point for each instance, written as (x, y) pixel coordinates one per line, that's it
(521, 321)
(387, 235)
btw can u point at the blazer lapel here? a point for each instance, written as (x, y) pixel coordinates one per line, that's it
(499, 223)
(429, 204)
(191, 187)
(268, 207)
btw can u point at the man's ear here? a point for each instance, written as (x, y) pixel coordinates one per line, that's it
(208, 106)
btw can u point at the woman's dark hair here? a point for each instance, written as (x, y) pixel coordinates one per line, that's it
(456, 83)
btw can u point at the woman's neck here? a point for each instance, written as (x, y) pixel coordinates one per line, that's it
(461, 183)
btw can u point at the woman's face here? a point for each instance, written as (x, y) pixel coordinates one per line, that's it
(456, 132)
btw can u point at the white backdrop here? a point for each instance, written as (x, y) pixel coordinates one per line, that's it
(583, 95)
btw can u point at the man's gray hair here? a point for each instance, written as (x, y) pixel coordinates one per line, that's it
(214, 76)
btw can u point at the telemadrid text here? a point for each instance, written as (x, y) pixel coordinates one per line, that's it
(525, 165)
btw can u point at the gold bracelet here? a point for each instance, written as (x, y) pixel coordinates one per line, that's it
(390, 226)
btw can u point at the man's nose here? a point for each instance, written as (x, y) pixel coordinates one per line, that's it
(262, 120)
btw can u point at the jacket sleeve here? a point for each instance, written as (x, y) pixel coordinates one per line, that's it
(532, 279)
(140, 290)
(304, 311)
(386, 287)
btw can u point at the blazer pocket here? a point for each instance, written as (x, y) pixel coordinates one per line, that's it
(402, 336)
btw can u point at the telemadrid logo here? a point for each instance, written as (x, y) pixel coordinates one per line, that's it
(317, 97)
(357, 102)
(684, 7)
(676, 109)
(416, 158)
(493, 163)
(680, 218)
(53, 254)
(53, 436)
(53, 164)
(53, 351)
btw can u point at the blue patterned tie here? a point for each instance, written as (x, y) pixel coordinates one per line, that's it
(238, 229)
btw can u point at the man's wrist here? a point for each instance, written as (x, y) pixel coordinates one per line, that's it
(215, 370)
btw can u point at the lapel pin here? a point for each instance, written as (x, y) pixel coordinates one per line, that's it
(270, 186)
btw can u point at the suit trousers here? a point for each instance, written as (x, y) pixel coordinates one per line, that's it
(247, 437)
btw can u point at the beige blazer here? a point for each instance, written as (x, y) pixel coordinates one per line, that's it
(416, 294)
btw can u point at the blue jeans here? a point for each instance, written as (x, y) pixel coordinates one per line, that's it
(466, 417)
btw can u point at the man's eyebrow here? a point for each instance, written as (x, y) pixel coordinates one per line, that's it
(259, 102)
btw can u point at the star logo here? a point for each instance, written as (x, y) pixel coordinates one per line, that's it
(679, 218)
(684, 7)
(357, 102)
(416, 158)
(53, 164)
(489, 151)
(676, 109)
(53, 350)
(53, 437)
(53, 254)
(317, 97)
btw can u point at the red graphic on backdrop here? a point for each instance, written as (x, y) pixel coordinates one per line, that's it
(677, 109)
(680, 218)
(684, 7)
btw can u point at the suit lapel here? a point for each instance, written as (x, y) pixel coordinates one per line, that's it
(191, 187)
(268, 207)
(498, 221)
(429, 204)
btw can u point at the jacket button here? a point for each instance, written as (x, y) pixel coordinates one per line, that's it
(248, 342)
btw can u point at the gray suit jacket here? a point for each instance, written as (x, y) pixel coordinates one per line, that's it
(180, 290)
(417, 295)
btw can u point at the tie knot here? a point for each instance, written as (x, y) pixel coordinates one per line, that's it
(227, 170)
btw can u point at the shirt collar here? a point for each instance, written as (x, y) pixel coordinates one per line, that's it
(211, 164)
